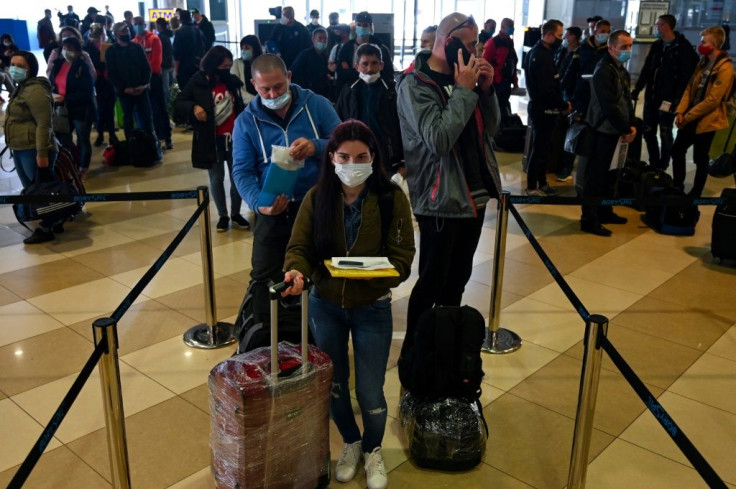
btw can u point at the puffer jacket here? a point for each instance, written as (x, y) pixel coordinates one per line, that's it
(400, 250)
(28, 117)
(711, 111)
(431, 124)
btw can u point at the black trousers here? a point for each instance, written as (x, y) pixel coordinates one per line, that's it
(270, 236)
(596, 173)
(446, 250)
(158, 108)
(701, 143)
(653, 119)
(543, 127)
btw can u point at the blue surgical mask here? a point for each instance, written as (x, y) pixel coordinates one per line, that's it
(657, 34)
(565, 43)
(510, 31)
(139, 29)
(602, 38)
(624, 56)
(247, 55)
(17, 73)
(320, 46)
(362, 31)
(277, 103)
(491, 31)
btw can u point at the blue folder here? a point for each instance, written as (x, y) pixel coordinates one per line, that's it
(280, 180)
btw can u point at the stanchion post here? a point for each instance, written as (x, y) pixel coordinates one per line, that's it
(596, 326)
(112, 399)
(212, 333)
(499, 340)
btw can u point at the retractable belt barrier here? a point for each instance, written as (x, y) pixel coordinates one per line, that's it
(104, 197)
(669, 200)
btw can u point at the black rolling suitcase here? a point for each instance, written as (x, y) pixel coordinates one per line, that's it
(512, 135)
(723, 237)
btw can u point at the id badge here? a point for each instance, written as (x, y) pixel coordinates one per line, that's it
(666, 106)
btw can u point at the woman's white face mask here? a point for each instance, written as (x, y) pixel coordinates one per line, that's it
(353, 174)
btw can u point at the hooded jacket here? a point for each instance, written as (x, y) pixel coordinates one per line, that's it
(667, 70)
(256, 131)
(431, 125)
(28, 117)
(711, 111)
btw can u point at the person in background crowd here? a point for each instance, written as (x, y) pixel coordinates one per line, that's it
(65, 33)
(611, 114)
(489, 29)
(342, 32)
(250, 49)
(211, 101)
(69, 19)
(327, 225)
(74, 87)
(448, 115)
(45, 30)
(128, 19)
(428, 37)
(204, 25)
(666, 72)
(545, 106)
(151, 45)
(290, 37)
(310, 67)
(314, 21)
(167, 56)
(567, 62)
(332, 38)
(702, 109)
(346, 72)
(109, 15)
(28, 132)
(90, 19)
(103, 87)
(590, 30)
(334, 19)
(373, 101)
(501, 54)
(285, 115)
(7, 50)
(589, 54)
(188, 48)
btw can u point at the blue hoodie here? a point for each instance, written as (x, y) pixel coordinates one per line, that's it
(255, 131)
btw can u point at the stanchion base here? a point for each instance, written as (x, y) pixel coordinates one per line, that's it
(199, 336)
(501, 341)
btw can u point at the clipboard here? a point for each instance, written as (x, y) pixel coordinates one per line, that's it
(280, 179)
(358, 273)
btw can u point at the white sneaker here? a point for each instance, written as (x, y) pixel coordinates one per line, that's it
(348, 462)
(375, 471)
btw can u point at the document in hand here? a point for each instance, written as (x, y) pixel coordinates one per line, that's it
(361, 267)
(280, 180)
(619, 156)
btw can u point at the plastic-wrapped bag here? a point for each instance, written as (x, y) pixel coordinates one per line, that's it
(448, 433)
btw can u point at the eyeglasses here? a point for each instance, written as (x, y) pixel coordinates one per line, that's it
(470, 21)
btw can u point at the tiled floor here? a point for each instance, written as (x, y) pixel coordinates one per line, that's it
(672, 312)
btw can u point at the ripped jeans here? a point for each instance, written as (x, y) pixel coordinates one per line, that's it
(371, 327)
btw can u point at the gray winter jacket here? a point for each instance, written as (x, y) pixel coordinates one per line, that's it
(431, 124)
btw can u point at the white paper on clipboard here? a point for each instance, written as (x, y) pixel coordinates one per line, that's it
(619, 156)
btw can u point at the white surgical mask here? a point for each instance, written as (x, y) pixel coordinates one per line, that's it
(283, 20)
(278, 102)
(368, 78)
(315, 21)
(353, 174)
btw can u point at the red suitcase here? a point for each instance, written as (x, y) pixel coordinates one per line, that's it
(272, 431)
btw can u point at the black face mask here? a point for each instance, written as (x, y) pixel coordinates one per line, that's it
(222, 74)
(451, 48)
(124, 38)
(556, 44)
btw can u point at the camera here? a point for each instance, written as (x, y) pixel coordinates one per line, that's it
(275, 11)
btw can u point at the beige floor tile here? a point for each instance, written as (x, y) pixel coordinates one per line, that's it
(625, 465)
(532, 443)
(59, 469)
(229, 295)
(19, 433)
(409, 476)
(507, 370)
(87, 414)
(166, 443)
(49, 277)
(226, 258)
(80, 238)
(726, 346)
(711, 430)
(543, 324)
(176, 274)
(710, 381)
(621, 275)
(19, 256)
(84, 302)
(201, 479)
(44, 358)
(176, 366)
(147, 226)
(7, 297)
(518, 277)
(190, 244)
(120, 258)
(199, 397)
(21, 320)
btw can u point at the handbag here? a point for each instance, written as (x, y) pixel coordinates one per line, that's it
(577, 139)
(60, 120)
(51, 211)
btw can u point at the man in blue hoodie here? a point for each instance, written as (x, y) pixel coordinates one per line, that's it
(282, 114)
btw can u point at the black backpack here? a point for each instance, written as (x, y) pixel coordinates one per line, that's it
(444, 358)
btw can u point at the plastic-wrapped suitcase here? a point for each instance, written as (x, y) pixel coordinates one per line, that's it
(270, 429)
(723, 237)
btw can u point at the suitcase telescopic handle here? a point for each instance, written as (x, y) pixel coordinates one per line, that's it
(275, 294)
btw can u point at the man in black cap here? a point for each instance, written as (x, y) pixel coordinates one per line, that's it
(290, 37)
(346, 72)
(313, 21)
(89, 19)
(69, 19)
(592, 21)
(204, 25)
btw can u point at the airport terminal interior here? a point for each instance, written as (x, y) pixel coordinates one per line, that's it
(672, 314)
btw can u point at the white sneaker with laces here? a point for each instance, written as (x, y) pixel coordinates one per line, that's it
(375, 471)
(348, 462)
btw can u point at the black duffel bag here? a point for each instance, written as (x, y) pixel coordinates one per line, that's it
(52, 211)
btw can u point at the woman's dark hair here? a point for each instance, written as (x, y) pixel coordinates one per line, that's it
(213, 59)
(31, 60)
(8, 37)
(73, 30)
(329, 186)
(253, 42)
(73, 43)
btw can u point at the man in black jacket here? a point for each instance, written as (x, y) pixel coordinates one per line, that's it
(290, 37)
(666, 72)
(188, 49)
(589, 54)
(545, 106)
(372, 100)
(204, 25)
(69, 19)
(310, 67)
(611, 115)
(130, 73)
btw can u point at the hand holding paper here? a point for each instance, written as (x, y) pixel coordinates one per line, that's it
(280, 179)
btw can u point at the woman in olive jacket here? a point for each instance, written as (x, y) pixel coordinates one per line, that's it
(345, 215)
(210, 102)
(702, 109)
(28, 131)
